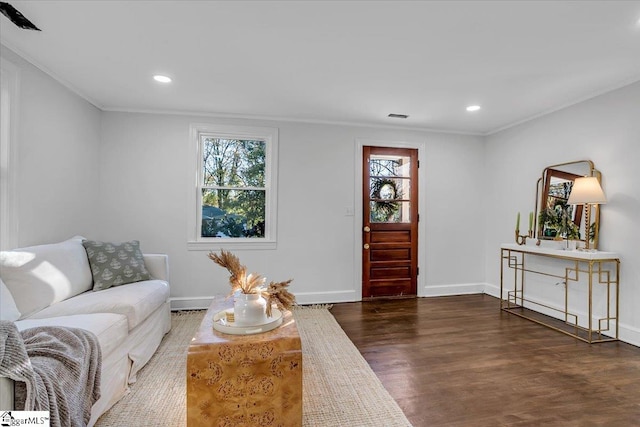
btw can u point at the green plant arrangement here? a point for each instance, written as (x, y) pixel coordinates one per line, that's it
(383, 205)
(557, 222)
(568, 228)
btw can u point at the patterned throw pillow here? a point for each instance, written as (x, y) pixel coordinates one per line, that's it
(115, 264)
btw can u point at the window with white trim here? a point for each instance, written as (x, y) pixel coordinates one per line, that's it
(234, 199)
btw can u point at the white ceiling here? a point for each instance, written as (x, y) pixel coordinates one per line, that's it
(337, 61)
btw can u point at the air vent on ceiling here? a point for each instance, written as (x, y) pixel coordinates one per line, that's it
(398, 116)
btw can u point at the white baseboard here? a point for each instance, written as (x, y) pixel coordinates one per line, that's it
(449, 290)
(202, 303)
(492, 290)
(630, 335)
(627, 334)
(190, 303)
(326, 297)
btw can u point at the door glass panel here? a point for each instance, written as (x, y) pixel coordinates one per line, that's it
(382, 188)
(390, 211)
(386, 165)
(389, 188)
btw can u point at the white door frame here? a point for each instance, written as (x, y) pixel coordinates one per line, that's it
(358, 224)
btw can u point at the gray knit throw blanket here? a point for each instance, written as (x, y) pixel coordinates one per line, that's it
(56, 369)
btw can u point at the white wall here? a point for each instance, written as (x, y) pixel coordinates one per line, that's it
(118, 176)
(58, 136)
(605, 130)
(145, 176)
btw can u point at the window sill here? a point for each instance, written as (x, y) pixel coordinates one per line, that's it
(231, 244)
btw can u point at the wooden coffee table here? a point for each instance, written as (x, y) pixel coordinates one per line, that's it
(244, 380)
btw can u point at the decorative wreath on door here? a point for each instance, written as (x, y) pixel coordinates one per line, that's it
(385, 195)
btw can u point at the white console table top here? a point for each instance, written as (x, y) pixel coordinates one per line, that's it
(575, 254)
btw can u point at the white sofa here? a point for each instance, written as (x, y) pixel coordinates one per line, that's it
(52, 286)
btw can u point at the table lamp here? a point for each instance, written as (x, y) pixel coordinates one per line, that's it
(587, 191)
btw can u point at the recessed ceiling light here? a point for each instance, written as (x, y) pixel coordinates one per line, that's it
(398, 116)
(162, 79)
(473, 108)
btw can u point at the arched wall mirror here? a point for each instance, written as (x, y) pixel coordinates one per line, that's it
(555, 218)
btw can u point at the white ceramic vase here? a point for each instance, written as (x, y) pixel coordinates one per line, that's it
(249, 310)
(571, 245)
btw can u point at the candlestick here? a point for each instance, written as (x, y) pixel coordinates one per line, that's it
(522, 240)
(530, 222)
(518, 222)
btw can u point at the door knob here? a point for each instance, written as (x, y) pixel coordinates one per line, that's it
(367, 229)
(366, 246)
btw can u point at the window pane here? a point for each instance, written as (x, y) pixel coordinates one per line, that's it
(233, 162)
(390, 211)
(233, 213)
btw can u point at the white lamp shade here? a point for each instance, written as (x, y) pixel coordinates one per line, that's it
(586, 190)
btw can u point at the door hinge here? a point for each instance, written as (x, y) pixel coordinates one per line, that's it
(418, 217)
(418, 164)
(417, 271)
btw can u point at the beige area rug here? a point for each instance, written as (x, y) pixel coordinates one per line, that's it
(339, 387)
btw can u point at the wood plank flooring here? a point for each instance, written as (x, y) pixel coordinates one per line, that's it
(460, 361)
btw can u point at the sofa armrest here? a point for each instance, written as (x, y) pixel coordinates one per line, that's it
(6, 393)
(158, 265)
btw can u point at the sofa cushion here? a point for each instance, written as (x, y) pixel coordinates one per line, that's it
(39, 276)
(115, 264)
(8, 309)
(111, 329)
(135, 300)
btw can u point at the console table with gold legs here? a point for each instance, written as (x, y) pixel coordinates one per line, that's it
(587, 270)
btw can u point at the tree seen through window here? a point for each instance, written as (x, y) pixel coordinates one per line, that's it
(233, 187)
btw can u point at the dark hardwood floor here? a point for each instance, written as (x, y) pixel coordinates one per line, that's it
(460, 361)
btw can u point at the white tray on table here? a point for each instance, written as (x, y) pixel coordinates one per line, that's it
(221, 324)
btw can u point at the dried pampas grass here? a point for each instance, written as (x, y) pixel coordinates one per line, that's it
(276, 293)
(239, 280)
